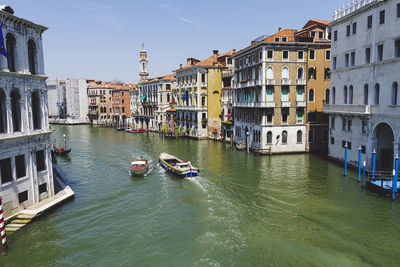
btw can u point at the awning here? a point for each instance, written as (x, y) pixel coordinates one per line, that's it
(228, 115)
(143, 97)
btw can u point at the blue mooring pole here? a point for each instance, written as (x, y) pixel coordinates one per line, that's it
(395, 173)
(345, 159)
(373, 163)
(359, 163)
(363, 173)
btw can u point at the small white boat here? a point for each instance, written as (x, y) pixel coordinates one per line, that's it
(179, 167)
(139, 167)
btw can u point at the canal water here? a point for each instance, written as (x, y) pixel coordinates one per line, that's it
(242, 210)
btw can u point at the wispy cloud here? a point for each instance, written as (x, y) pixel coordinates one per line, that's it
(177, 13)
(102, 13)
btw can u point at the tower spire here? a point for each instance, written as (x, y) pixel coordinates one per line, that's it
(143, 61)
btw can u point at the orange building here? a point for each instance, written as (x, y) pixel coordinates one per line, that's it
(121, 103)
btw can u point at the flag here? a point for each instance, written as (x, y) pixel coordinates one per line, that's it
(143, 97)
(2, 44)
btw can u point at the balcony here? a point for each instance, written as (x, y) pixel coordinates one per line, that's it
(270, 81)
(301, 81)
(285, 104)
(203, 84)
(253, 104)
(301, 104)
(190, 108)
(285, 81)
(347, 109)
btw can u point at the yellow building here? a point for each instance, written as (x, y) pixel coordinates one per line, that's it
(199, 85)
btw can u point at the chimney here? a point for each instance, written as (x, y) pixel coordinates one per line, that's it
(188, 61)
(180, 66)
(280, 28)
(215, 52)
(234, 51)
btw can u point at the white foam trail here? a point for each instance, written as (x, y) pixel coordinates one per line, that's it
(196, 180)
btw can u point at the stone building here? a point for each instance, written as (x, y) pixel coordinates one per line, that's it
(68, 101)
(100, 103)
(199, 87)
(279, 80)
(26, 175)
(364, 109)
(121, 108)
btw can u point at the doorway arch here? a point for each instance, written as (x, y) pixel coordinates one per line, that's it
(384, 138)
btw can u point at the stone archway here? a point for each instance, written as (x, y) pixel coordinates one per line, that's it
(383, 138)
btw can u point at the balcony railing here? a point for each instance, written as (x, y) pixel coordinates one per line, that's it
(270, 81)
(301, 104)
(253, 104)
(285, 81)
(285, 103)
(301, 81)
(347, 109)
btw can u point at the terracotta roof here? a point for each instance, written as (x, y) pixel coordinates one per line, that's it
(209, 62)
(161, 78)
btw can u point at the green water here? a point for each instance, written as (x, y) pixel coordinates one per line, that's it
(243, 210)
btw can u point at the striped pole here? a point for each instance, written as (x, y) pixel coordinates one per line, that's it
(2, 226)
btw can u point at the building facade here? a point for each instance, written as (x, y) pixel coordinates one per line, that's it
(275, 88)
(121, 108)
(199, 88)
(26, 175)
(100, 103)
(364, 109)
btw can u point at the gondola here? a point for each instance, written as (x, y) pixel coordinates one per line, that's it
(60, 151)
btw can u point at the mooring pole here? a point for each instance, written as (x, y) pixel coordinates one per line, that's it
(373, 163)
(363, 182)
(247, 142)
(345, 159)
(359, 163)
(395, 173)
(2, 226)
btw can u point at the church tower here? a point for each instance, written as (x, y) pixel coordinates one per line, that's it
(144, 73)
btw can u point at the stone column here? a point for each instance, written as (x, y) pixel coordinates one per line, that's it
(28, 110)
(4, 63)
(263, 87)
(33, 174)
(45, 109)
(50, 177)
(9, 116)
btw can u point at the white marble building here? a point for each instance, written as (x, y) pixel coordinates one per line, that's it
(364, 107)
(26, 174)
(68, 100)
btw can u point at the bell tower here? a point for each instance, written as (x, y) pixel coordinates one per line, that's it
(144, 73)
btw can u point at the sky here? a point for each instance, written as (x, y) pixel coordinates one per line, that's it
(102, 39)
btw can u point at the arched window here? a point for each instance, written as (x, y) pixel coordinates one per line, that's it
(285, 73)
(327, 73)
(365, 94)
(394, 93)
(32, 56)
(36, 110)
(11, 47)
(270, 73)
(333, 95)
(312, 74)
(376, 98)
(345, 95)
(284, 137)
(351, 94)
(269, 137)
(327, 96)
(299, 136)
(16, 110)
(259, 73)
(300, 73)
(311, 95)
(3, 112)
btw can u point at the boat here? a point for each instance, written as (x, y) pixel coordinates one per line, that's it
(139, 167)
(176, 166)
(60, 151)
(169, 136)
(135, 130)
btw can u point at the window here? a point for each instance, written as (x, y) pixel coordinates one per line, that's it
(11, 44)
(285, 55)
(270, 73)
(300, 73)
(260, 57)
(345, 95)
(312, 54)
(394, 93)
(328, 55)
(344, 123)
(379, 55)
(311, 136)
(32, 56)
(40, 160)
(397, 49)
(354, 27)
(36, 110)
(313, 34)
(382, 17)
(270, 115)
(284, 137)
(270, 54)
(311, 95)
(367, 55)
(398, 11)
(348, 29)
(349, 123)
(333, 95)
(351, 94)
(203, 77)
(23, 196)
(20, 166)
(269, 137)
(299, 113)
(363, 127)
(333, 120)
(376, 98)
(334, 63)
(284, 39)
(299, 136)
(335, 36)
(320, 35)
(16, 110)
(203, 101)
(365, 94)
(327, 96)
(42, 188)
(332, 140)
(285, 73)
(5, 168)
(277, 39)
(352, 59)
(300, 55)
(312, 73)
(346, 60)
(327, 75)
(363, 149)
(369, 22)
(285, 113)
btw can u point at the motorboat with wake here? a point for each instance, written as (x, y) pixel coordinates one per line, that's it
(176, 166)
(139, 167)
